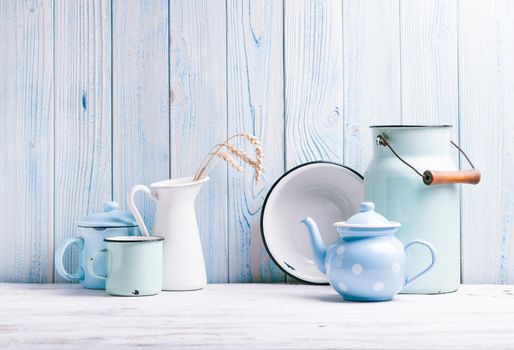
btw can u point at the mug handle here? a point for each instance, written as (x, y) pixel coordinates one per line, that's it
(432, 253)
(132, 205)
(90, 264)
(78, 275)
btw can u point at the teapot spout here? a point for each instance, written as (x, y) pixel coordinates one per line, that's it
(318, 248)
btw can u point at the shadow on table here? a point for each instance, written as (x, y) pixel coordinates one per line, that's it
(336, 298)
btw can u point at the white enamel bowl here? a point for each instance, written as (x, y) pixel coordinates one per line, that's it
(325, 191)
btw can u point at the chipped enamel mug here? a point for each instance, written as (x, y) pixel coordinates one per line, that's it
(367, 262)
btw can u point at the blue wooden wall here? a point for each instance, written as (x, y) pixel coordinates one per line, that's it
(99, 95)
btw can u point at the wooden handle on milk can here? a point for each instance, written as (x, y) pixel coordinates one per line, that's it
(433, 177)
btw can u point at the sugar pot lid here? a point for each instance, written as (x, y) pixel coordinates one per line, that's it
(367, 218)
(110, 216)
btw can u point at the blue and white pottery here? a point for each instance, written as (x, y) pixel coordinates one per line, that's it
(94, 228)
(367, 262)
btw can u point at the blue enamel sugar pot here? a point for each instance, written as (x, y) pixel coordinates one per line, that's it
(367, 262)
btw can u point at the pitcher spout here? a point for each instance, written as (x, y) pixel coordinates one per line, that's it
(318, 248)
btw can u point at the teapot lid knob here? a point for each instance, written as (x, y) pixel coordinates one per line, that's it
(367, 218)
(366, 206)
(110, 206)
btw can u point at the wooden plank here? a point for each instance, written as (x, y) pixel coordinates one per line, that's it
(198, 116)
(140, 98)
(486, 71)
(255, 105)
(429, 71)
(429, 62)
(26, 143)
(83, 114)
(371, 74)
(313, 67)
(254, 316)
(313, 64)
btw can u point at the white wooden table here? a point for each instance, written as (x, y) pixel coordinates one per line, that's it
(260, 316)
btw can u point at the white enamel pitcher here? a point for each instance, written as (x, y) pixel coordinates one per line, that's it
(175, 220)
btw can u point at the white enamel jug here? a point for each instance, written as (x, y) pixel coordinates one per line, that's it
(413, 180)
(175, 220)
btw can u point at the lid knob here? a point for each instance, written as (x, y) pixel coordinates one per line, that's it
(110, 206)
(367, 218)
(366, 206)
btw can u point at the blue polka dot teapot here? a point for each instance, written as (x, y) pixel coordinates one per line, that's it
(367, 262)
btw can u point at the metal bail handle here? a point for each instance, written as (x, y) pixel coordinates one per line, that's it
(434, 177)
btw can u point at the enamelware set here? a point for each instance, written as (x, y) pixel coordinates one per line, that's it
(424, 204)
(175, 220)
(94, 229)
(369, 257)
(124, 259)
(367, 262)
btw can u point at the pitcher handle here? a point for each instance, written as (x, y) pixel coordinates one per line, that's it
(133, 209)
(432, 253)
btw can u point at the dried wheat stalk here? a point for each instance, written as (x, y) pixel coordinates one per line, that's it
(232, 153)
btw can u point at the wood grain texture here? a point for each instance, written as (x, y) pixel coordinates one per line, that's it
(254, 316)
(371, 74)
(83, 115)
(26, 147)
(313, 67)
(486, 87)
(429, 67)
(143, 97)
(140, 98)
(199, 116)
(256, 105)
(428, 32)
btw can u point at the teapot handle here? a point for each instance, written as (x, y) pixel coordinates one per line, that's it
(432, 253)
(133, 209)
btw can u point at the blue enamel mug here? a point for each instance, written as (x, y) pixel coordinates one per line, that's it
(96, 227)
(367, 262)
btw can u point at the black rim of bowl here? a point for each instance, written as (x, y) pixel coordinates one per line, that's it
(266, 202)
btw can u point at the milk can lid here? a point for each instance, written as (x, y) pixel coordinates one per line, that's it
(367, 218)
(110, 216)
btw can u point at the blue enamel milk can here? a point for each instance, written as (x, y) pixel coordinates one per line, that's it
(413, 180)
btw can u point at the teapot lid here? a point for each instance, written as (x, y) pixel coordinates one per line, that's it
(367, 218)
(110, 216)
